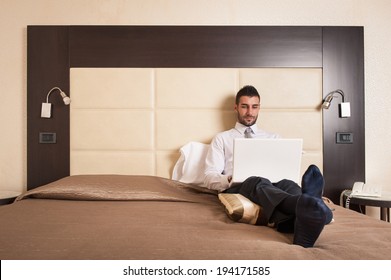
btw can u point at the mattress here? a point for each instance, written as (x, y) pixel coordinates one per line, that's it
(117, 217)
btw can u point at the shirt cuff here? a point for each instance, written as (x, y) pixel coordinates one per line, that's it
(224, 182)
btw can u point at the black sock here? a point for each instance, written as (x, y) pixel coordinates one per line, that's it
(312, 182)
(311, 216)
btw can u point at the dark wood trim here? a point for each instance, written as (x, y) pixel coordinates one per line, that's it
(343, 68)
(195, 46)
(47, 67)
(52, 50)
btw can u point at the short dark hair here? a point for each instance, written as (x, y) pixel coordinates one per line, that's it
(246, 91)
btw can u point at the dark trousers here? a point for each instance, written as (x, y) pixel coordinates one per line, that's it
(269, 196)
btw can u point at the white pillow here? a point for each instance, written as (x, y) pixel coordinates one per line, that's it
(190, 166)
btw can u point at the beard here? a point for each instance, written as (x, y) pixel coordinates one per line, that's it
(247, 120)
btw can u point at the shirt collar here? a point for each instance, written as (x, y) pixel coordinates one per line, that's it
(241, 128)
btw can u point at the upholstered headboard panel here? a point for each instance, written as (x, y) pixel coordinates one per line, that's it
(134, 120)
(338, 51)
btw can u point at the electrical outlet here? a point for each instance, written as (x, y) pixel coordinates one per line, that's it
(47, 138)
(344, 138)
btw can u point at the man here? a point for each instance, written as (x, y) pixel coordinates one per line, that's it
(285, 205)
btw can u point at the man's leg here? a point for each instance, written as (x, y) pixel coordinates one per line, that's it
(312, 184)
(311, 211)
(311, 217)
(287, 206)
(262, 192)
(289, 186)
(307, 218)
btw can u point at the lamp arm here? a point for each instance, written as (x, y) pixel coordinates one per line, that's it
(50, 91)
(340, 92)
(344, 106)
(65, 98)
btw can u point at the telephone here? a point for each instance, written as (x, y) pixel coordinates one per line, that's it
(361, 189)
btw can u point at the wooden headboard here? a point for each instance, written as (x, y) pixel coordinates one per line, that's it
(338, 51)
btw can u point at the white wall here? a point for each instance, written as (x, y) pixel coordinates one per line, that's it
(15, 15)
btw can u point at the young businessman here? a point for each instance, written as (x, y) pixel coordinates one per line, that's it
(286, 205)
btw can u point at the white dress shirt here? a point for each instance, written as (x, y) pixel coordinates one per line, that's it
(219, 160)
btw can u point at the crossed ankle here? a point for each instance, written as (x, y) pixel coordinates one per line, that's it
(311, 217)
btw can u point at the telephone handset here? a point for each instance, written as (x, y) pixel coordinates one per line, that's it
(361, 189)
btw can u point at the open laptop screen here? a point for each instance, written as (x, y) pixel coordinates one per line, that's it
(274, 159)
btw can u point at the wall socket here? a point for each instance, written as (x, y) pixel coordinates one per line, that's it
(47, 138)
(344, 138)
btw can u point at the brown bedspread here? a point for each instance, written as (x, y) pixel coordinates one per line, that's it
(141, 217)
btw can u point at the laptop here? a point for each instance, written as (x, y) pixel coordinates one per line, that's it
(274, 159)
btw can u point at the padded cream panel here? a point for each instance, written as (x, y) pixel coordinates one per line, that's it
(113, 162)
(176, 127)
(112, 88)
(295, 124)
(195, 88)
(133, 121)
(97, 129)
(285, 87)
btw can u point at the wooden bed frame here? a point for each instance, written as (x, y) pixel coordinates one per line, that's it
(339, 51)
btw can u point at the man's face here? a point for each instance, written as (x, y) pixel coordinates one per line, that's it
(248, 109)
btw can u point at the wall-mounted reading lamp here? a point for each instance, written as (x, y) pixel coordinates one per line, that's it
(344, 107)
(46, 107)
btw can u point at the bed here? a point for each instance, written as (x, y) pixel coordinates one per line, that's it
(99, 217)
(104, 192)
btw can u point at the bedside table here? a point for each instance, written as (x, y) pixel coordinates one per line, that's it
(7, 197)
(384, 202)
